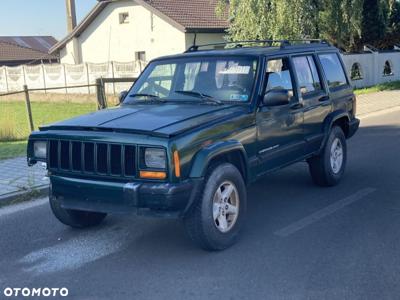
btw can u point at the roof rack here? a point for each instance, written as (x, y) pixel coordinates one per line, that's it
(263, 43)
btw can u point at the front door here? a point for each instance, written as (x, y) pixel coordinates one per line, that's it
(279, 128)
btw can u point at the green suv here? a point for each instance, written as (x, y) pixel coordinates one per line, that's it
(195, 129)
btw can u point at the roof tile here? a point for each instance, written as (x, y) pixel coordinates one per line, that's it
(199, 14)
(14, 52)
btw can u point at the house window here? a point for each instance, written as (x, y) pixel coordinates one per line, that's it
(140, 55)
(124, 18)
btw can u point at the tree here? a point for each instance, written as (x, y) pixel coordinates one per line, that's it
(271, 19)
(348, 24)
(394, 17)
(373, 27)
(341, 23)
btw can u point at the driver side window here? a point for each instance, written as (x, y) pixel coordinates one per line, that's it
(278, 75)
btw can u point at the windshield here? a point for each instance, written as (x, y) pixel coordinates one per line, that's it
(207, 78)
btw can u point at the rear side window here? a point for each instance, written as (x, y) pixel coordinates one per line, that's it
(333, 70)
(307, 74)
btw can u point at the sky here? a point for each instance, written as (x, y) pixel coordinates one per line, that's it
(38, 17)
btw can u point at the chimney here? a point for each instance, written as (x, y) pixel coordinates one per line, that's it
(71, 15)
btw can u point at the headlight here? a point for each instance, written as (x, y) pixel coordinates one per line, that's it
(155, 158)
(40, 149)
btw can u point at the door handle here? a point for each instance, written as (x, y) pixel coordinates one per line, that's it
(297, 106)
(324, 98)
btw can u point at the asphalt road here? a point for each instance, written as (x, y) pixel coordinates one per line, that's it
(300, 241)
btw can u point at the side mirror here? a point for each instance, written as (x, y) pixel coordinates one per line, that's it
(122, 96)
(276, 97)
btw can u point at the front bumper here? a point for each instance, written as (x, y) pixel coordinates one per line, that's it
(353, 127)
(143, 198)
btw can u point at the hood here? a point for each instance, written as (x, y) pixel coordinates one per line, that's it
(155, 119)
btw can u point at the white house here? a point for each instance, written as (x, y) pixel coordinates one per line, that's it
(127, 30)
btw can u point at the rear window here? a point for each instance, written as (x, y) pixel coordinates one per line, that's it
(333, 70)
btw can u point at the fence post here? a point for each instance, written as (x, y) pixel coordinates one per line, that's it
(6, 75)
(44, 78)
(28, 108)
(24, 73)
(87, 77)
(113, 76)
(100, 91)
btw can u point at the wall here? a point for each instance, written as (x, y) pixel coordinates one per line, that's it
(107, 40)
(372, 65)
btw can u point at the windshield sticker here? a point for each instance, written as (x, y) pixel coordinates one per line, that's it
(238, 97)
(241, 70)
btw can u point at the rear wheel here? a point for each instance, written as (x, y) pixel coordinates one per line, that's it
(328, 167)
(215, 220)
(75, 218)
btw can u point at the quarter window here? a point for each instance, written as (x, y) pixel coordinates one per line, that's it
(278, 75)
(307, 74)
(333, 70)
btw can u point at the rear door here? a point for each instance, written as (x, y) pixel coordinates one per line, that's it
(337, 81)
(279, 128)
(315, 99)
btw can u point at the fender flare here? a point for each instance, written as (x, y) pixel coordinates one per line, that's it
(328, 122)
(202, 158)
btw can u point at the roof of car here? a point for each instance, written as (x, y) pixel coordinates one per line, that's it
(254, 51)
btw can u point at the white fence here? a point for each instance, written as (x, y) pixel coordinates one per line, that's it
(365, 69)
(64, 75)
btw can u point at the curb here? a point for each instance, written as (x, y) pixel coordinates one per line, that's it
(24, 195)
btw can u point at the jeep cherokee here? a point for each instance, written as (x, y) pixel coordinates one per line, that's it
(195, 129)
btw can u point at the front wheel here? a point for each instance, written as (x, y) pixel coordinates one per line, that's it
(75, 218)
(328, 167)
(218, 214)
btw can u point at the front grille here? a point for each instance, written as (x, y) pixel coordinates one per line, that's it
(92, 158)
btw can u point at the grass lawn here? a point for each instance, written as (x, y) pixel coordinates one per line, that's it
(14, 122)
(12, 149)
(14, 128)
(388, 86)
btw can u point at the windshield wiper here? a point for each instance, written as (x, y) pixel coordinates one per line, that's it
(199, 95)
(144, 95)
(151, 98)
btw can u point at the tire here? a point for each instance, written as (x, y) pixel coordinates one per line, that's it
(75, 218)
(205, 223)
(325, 172)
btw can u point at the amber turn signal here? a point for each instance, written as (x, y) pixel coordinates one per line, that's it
(153, 175)
(177, 164)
